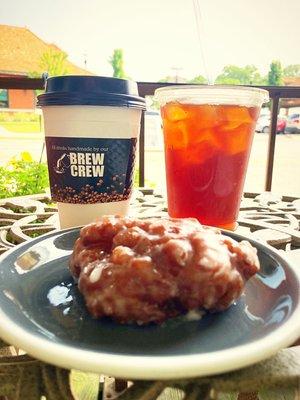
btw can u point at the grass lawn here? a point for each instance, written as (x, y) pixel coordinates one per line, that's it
(23, 127)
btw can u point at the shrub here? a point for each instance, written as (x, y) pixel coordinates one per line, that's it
(22, 176)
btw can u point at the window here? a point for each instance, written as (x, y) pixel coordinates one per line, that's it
(3, 98)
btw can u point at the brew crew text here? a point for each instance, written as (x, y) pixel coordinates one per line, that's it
(87, 164)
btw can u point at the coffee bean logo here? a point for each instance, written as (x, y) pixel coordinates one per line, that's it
(62, 164)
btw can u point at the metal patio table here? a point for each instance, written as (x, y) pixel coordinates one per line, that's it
(270, 218)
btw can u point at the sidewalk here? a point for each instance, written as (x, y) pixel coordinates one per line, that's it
(7, 135)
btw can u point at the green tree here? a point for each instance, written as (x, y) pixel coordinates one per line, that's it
(198, 79)
(117, 62)
(292, 71)
(54, 62)
(234, 75)
(275, 74)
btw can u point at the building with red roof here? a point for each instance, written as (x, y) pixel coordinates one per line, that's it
(20, 54)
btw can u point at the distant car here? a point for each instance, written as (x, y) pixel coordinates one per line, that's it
(152, 112)
(281, 124)
(153, 136)
(293, 124)
(264, 122)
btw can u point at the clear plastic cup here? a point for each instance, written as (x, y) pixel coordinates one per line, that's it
(208, 132)
(91, 129)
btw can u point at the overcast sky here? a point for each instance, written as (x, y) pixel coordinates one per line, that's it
(159, 35)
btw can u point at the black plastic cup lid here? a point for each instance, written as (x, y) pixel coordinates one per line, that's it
(91, 90)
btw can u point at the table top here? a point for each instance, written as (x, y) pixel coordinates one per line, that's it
(266, 217)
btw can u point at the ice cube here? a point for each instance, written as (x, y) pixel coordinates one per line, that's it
(175, 113)
(237, 114)
(235, 140)
(174, 134)
(231, 125)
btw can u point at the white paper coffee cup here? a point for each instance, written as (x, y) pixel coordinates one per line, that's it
(91, 147)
